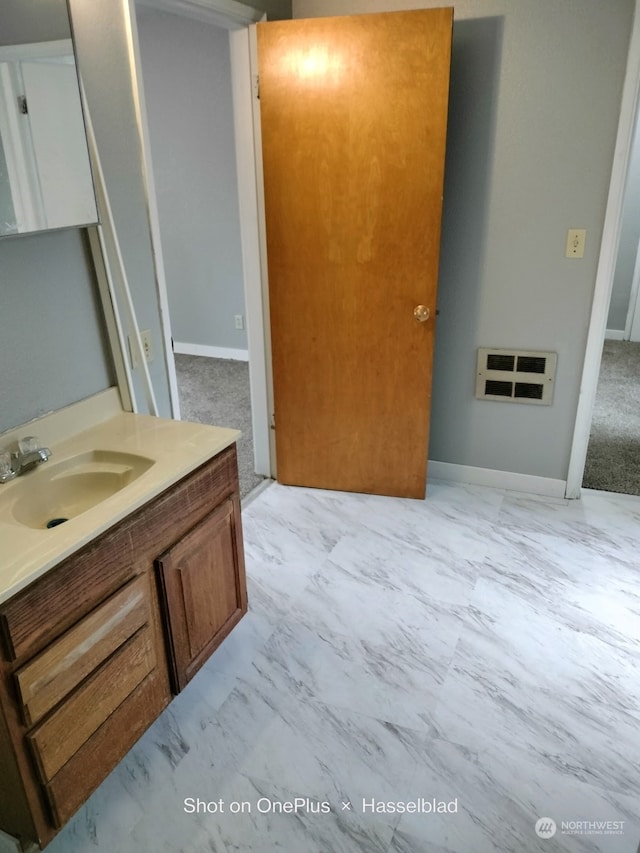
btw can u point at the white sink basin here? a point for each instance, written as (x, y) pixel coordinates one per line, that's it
(54, 493)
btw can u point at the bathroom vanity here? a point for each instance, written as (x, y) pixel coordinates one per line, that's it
(106, 616)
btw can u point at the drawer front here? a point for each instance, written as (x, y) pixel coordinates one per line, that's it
(55, 672)
(60, 736)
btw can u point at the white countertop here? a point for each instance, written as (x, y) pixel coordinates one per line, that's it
(177, 448)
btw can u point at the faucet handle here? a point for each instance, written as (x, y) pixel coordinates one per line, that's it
(28, 444)
(6, 466)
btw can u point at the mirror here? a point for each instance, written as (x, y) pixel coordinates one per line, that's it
(45, 173)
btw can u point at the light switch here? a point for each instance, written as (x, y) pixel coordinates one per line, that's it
(576, 238)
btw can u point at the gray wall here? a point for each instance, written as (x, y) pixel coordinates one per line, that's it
(629, 236)
(52, 351)
(535, 100)
(187, 81)
(52, 347)
(275, 9)
(103, 62)
(26, 21)
(7, 210)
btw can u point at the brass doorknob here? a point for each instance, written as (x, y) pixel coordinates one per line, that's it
(421, 313)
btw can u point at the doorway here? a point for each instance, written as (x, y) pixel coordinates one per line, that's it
(602, 298)
(613, 454)
(186, 70)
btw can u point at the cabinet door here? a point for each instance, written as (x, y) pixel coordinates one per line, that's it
(204, 589)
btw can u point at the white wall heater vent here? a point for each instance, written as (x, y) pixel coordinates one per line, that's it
(516, 376)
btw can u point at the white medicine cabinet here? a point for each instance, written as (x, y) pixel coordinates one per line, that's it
(45, 171)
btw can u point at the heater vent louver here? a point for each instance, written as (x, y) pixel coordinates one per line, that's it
(495, 361)
(498, 389)
(515, 376)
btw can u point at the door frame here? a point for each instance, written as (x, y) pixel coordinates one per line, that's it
(606, 263)
(236, 18)
(632, 325)
(246, 110)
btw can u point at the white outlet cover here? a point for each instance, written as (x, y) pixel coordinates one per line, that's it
(576, 238)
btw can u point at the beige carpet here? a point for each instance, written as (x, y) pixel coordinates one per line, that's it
(613, 456)
(216, 391)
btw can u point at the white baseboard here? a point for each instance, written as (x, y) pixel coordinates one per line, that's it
(497, 479)
(614, 335)
(210, 352)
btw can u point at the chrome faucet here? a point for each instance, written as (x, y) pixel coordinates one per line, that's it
(17, 462)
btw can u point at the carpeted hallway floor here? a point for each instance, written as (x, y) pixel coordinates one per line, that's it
(216, 391)
(613, 456)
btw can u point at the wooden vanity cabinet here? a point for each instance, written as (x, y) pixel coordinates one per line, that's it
(92, 651)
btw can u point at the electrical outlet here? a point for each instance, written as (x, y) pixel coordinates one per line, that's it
(146, 344)
(239, 321)
(576, 238)
(145, 337)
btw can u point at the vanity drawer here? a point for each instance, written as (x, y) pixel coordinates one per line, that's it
(60, 736)
(55, 672)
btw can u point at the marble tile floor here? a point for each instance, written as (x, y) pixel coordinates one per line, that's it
(480, 649)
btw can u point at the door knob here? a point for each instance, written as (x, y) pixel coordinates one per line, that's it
(421, 313)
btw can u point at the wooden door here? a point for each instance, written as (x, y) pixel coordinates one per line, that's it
(353, 114)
